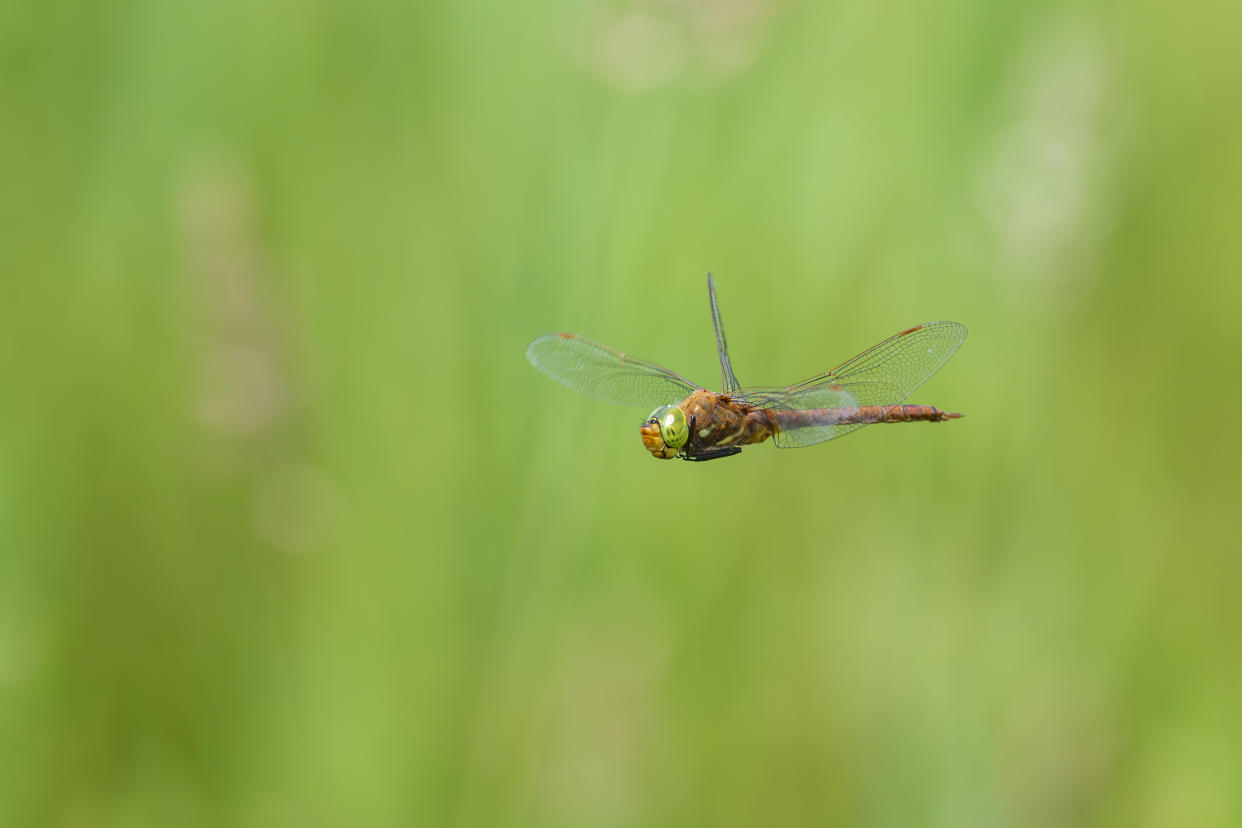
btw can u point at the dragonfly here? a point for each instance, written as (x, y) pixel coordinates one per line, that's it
(693, 423)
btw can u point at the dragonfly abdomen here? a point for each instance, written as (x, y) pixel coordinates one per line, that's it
(786, 419)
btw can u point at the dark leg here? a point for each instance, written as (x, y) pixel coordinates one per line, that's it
(715, 454)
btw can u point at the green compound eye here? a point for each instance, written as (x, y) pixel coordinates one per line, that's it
(673, 427)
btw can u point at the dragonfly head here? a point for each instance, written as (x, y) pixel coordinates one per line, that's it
(665, 431)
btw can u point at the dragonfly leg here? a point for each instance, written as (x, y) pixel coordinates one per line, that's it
(714, 454)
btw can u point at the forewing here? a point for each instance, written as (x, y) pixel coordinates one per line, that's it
(600, 372)
(902, 362)
(727, 380)
(885, 374)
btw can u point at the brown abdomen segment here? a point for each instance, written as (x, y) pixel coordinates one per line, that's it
(787, 419)
(899, 414)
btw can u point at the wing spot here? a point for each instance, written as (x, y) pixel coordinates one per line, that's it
(565, 335)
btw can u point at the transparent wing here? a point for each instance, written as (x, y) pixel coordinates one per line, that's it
(885, 374)
(727, 380)
(600, 372)
(903, 362)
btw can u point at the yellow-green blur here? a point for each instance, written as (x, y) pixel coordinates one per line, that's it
(291, 533)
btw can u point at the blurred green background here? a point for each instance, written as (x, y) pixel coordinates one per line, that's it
(291, 533)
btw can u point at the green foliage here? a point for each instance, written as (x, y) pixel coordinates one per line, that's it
(291, 534)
